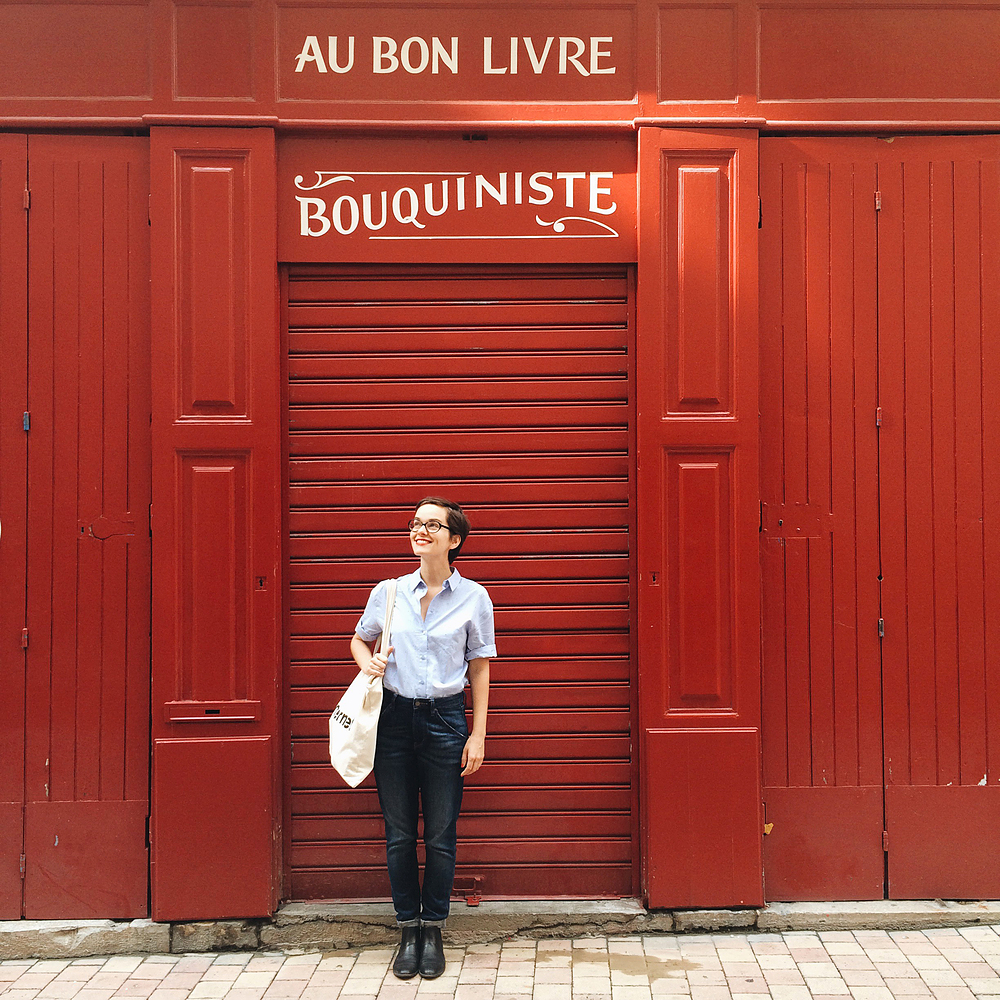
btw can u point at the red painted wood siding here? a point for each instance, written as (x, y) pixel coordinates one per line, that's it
(507, 389)
(698, 594)
(939, 343)
(87, 705)
(821, 674)
(890, 311)
(216, 525)
(13, 509)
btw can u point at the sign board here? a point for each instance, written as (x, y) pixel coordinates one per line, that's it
(456, 54)
(457, 199)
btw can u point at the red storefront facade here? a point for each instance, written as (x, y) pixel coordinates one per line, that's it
(693, 306)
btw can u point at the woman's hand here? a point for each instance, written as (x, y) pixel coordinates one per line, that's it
(375, 667)
(473, 755)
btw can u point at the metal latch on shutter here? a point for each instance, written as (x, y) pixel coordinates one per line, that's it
(469, 886)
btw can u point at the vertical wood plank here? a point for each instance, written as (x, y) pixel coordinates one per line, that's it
(13, 488)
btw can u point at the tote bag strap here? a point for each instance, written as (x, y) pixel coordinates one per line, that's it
(390, 606)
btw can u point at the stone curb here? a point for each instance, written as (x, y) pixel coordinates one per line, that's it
(298, 927)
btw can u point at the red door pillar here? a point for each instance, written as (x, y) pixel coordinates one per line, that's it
(216, 525)
(698, 518)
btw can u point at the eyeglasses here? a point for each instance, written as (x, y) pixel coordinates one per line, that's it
(431, 527)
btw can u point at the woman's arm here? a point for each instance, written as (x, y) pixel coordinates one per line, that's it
(372, 664)
(475, 747)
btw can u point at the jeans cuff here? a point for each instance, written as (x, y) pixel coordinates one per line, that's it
(408, 923)
(433, 923)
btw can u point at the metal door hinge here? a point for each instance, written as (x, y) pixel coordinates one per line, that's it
(881, 628)
(878, 416)
(24, 638)
(26, 423)
(27, 199)
(885, 841)
(22, 866)
(878, 201)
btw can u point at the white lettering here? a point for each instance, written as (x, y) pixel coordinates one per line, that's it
(569, 178)
(312, 209)
(338, 214)
(535, 183)
(410, 219)
(331, 43)
(488, 66)
(406, 51)
(538, 62)
(596, 52)
(460, 194)
(499, 195)
(429, 198)
(517, 188)
(366, 208)
(310, 53)
(439, 55)
(596, 191)
(384, 54)
(564, 57)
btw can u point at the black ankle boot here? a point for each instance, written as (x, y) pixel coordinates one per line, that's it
(431, 952)
(408, 956)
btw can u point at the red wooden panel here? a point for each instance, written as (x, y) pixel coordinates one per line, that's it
(942, 841)
(705, 819)
(95, 51)
(541, 460)
(226, 32)
(87, 710)
(821, 670)
(213, 294)
(824, 842)
(698, 491)
(698, 517)
(216, 598)
(13, 484)
(216, 607)
(697, 53)
(703, 287)
(88, 859)
(207, 814)
(938, 51)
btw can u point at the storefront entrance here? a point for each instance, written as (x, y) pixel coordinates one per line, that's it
(880, 322)
(507, 388)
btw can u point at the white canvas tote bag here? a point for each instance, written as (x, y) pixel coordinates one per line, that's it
(354, 723)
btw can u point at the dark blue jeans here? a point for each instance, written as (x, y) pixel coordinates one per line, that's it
(418, 765)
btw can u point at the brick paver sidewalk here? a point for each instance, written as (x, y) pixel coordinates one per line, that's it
(864, 965)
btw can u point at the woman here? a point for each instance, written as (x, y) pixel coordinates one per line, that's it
(442, 635)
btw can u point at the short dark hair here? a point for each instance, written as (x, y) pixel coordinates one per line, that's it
(458, 523)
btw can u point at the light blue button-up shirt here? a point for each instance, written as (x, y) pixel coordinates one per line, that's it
(430, 656)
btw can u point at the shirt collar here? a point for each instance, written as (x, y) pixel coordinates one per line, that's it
(416, 582)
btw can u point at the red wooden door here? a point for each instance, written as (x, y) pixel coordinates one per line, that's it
(508, 389)
(13, 528)
(939, 361)
(86, 771)
(879, 317)
(819, 466)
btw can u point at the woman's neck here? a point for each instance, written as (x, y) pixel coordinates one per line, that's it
(434, 573)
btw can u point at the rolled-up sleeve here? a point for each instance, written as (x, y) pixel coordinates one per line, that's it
(369, 625)
(481, 637)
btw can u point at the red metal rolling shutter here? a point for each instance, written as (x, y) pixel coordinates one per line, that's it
(507, 390)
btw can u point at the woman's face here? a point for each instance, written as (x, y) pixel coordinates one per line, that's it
(438, 544)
